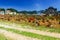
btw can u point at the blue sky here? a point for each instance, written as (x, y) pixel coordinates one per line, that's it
(29, 4)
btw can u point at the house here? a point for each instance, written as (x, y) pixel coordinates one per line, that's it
(11, 11)
(2, 11)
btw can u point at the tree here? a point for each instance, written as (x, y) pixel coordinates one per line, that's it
(51, 10)
(23, 12)
(2, 9)
(58, 12)
(28, 12)
(12, 10)
(32, 12)
(41, 11)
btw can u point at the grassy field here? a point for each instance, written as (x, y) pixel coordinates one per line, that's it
(56, 30)
(2, 37)
(26, 25)
(28, 34)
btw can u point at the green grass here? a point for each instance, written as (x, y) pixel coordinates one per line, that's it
(27, 26)
(43, 28)
(29, 34)
(56, 30)
(2, 37)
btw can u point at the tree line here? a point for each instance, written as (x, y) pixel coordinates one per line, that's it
(50, 10)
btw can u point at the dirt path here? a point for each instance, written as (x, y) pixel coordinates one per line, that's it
(16, 36)
(57, 35)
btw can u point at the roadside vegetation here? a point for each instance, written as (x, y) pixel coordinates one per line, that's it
(33, 35)
(27, 26)
(2, 37)
(49, 21)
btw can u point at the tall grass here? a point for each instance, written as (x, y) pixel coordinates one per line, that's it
(29, 34)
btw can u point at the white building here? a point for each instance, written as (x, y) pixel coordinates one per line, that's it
(2, 12)
(10, 12)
